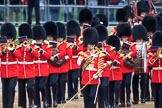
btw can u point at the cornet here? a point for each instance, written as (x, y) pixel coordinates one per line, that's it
(25, 43)
(159, 52)
(11, 45)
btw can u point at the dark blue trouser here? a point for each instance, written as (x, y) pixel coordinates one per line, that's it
(158, 95)
(103, 93)
(40, 86)
(8, 91)
(89, 93)
(73, 82)
(22, 91)
(126, 83)
(114, 91)
(135, 85)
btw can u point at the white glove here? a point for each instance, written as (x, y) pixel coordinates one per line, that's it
(66, 57)
(79, 62)
(95, 76)
(117, 61)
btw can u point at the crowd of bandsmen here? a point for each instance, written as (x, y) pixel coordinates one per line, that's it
(48, 56)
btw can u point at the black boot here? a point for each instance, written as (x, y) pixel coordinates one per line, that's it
(128, 104)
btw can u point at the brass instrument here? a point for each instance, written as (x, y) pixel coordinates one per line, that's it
(11, 46)
(159, 52)
(25, 43)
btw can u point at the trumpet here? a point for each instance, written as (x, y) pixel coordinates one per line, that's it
(159, 52)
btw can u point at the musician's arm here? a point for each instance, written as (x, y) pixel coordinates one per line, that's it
(152, 59)
(33, 51)
(17, 52)
(47, 53)
(69, 53)
(133, 52)
(62, 51)
(80, 58)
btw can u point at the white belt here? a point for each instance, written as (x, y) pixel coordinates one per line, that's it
(115, 67)
(40, 61)
(10, 63)
(74, 56)
(91, 69)
(157, 68)
(25, 62)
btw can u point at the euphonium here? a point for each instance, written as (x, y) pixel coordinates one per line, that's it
(159, 52)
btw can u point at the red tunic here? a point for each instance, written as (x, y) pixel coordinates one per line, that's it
(157, 68)
(66, 66)
(41, 65)
(132, 54)
(73, 60)
(116, 71)
(91, 69)
(62, 53)
(26, 64)
(9, 66)
(109, 57)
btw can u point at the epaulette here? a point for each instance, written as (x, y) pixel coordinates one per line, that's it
(111, 48)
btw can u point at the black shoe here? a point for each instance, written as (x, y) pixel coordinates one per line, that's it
(81, 95)
(38, 107)
(147, 99)
(152, 99)
(107, 106)
(122, 105)
(68, 98)
(135, 102)
(63, 101)
(128, 104)
(55, 104)
(49, 105)
(76, 97)
(116, 106)
(142, 101)
(31, 106)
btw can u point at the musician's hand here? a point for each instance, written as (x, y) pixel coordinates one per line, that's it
(40, 51)
(95, 76)
(66, 57)
(56, 58)
(79, 62)
(75, 47)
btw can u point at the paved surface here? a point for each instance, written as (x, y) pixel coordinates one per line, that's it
(79, 104)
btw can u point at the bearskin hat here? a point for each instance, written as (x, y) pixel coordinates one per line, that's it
(85, 16)
(39, 32)
(90, 36)
(124, 29)
(51, 29)
(157, 39)
(159, 22)
(142, 6)
(103, 18)
(114, 41)
(61, 30)
(73, 28)
(150, 23)
(95, 21)
(102, 32)
(139, 32)
(8, 30)
(25, 30)
(121, 15)
(129, 12)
